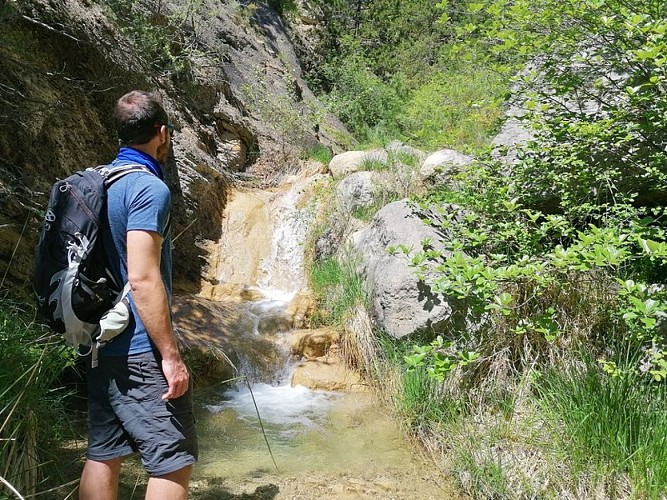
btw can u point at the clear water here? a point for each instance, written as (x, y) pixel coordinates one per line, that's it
(307, 430)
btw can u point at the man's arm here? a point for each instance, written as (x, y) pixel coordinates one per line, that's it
(150, 299)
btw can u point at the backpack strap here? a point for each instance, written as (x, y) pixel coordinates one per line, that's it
(114, 321)
(112, 174)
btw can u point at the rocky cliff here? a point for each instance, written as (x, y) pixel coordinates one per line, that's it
(227, 73)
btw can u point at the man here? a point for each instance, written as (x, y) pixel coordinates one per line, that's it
(139, 396)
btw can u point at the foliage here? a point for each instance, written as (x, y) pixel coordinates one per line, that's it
(386, 73)
(573, 203)
(162, 37)
(456, 107)
(320, 153)
(31, 362)
(284, 6)
(595, 91)
(360, 98)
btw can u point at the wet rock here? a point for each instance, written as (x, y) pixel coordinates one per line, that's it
(327, 374)
(442, 165)
(352, 161)
(230, 292)
(300, 309)
(315, 343)
(225, 336)
(400, 303)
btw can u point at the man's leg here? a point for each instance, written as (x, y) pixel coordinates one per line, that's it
(172, 486)
(99, 480)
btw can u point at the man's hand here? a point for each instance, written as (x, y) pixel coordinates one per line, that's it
(177, 377)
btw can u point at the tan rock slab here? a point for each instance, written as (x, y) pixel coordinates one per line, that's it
(327, 374)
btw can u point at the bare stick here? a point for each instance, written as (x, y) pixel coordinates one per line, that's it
(266, 440)
(11, 488)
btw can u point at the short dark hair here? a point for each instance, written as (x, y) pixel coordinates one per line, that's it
(136, 116)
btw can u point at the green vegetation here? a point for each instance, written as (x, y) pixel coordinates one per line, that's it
(165, 39)
(551, 381)
(32, 360)
(390, 71)
(337, 288)
(623, 418)
(320, 153)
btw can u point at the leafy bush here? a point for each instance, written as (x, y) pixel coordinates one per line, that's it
(361, 99)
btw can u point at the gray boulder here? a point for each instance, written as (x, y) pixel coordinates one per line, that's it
(439, 167)
(512, 135)
(357, 190)
(400, 304)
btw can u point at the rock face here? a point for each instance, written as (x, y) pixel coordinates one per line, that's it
(63, 65)
(312, 344)
(400, 304)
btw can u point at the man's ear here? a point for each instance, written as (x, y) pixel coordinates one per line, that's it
(164, 134)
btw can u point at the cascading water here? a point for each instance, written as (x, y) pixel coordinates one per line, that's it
(323, 439)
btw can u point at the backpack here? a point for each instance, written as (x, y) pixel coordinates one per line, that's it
(76, 291)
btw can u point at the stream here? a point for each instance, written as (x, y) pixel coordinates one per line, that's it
(323, 444)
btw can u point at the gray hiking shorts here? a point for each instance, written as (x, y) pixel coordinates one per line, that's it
(126, 414)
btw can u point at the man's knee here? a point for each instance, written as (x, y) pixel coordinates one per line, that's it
(184, 473)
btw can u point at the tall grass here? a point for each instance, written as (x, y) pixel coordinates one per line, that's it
(31, 405)
(337, 288)
(614, 425)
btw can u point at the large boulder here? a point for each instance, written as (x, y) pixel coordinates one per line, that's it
(512, 135)
(357, 190)
(344, 164)
(441, 166)
(400, 303)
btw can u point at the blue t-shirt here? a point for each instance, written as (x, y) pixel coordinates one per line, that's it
(136, 201)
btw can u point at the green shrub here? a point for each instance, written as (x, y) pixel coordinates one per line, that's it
(459, 108)
(319, 153)
(362, 100)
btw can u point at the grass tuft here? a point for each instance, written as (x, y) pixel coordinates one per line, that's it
(622, 419)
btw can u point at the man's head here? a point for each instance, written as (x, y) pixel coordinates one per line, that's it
(142, 123)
